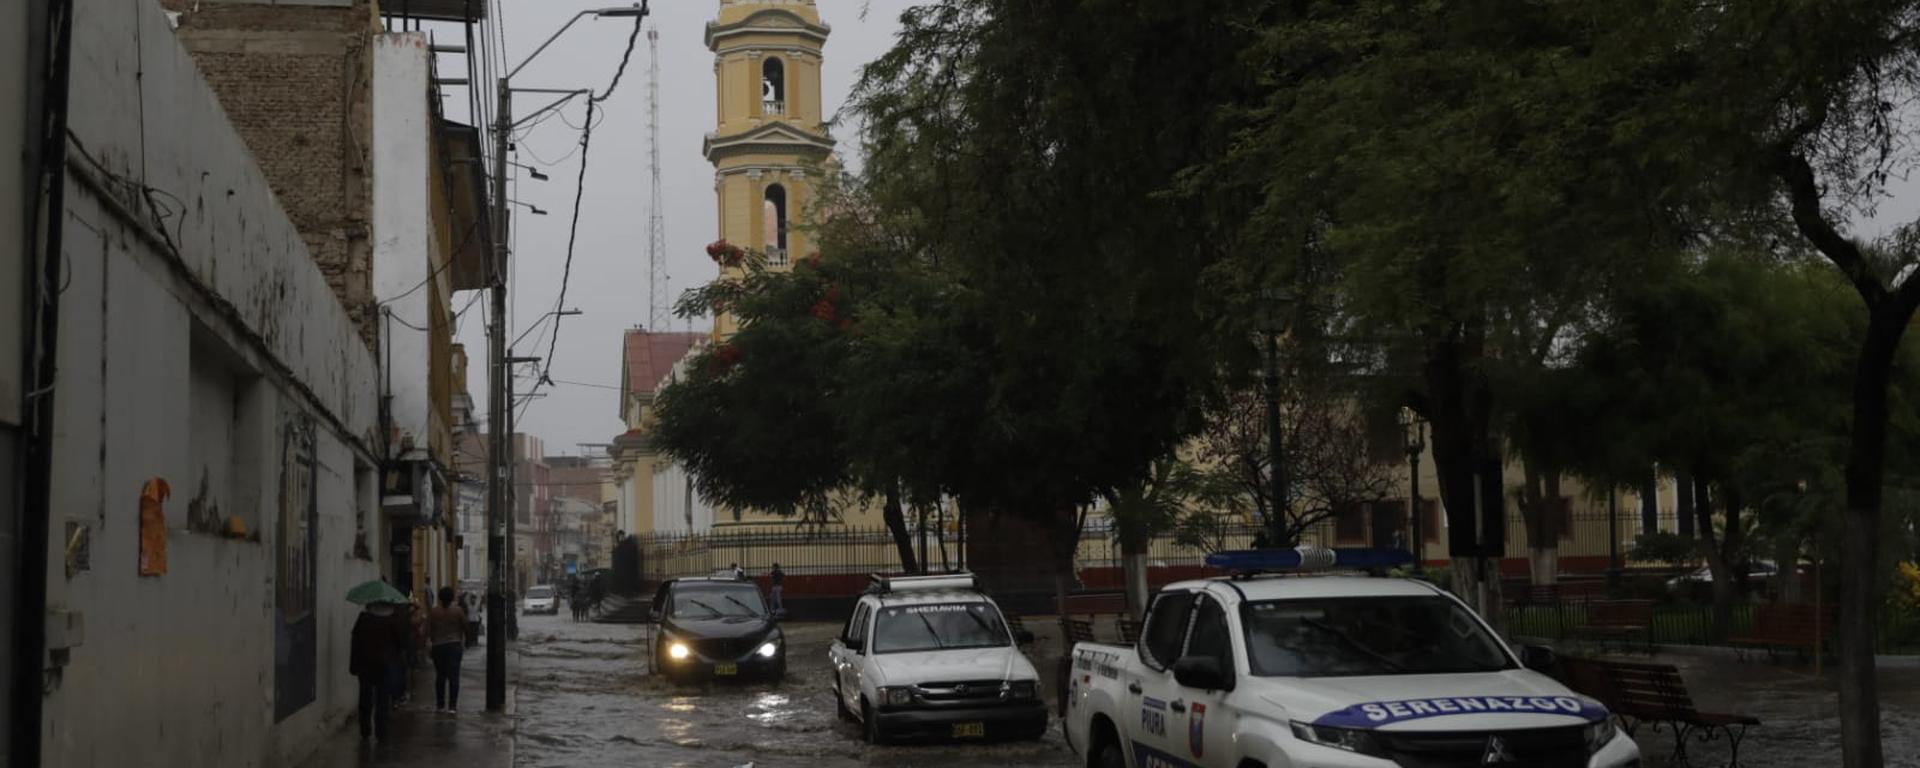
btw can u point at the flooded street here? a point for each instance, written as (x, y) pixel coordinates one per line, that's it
(585, 699)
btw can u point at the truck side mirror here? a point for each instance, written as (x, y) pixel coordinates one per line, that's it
(1202, 672)
(654, 614)
(1538, 658)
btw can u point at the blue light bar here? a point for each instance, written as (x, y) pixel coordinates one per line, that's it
(1308, 558)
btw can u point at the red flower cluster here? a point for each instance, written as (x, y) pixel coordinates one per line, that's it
(823, 309)
(725, 358)
(726, 254)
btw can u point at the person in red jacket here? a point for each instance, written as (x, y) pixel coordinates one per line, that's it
(378, 643)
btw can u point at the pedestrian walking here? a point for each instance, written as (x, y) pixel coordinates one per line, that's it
(400, 665)
(471, 602)
(376, 645)
(576, 600)
(738, 572)
(778, 578)
(447, 624)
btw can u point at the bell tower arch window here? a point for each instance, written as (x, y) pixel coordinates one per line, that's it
(773, 86)
(773, 218)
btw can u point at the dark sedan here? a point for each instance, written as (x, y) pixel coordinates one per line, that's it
(715, 628)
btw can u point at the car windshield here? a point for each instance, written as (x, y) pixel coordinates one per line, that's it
(938, 627)
(540, 592)
(717, 601)
(1367, 636)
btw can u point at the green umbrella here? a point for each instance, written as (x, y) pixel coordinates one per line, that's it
(375, 591)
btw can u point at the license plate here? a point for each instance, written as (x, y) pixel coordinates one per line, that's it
(726, 668)
(969, 730)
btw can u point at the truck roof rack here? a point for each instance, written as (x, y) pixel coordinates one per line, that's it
(1244, 563)
(881, 584)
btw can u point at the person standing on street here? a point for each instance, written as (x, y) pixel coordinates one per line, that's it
(777, 577)
(376, 645)
(471, 602)
(446, 628)
(738, 572)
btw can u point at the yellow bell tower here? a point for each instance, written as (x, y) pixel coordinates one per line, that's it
(770, 143)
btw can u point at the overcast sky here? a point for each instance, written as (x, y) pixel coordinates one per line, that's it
(609, 280)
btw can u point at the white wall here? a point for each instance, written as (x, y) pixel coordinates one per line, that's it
(179, 669)
(403, 237)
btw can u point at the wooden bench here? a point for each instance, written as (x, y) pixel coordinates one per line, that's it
(1619, 620)
(1799, 626)
(1097, 603)
(1655, 694)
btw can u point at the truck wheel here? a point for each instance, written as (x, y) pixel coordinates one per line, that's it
(870, 725)
(1108, 755)
(840, 705)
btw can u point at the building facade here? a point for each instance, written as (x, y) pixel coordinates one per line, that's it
(770, 143)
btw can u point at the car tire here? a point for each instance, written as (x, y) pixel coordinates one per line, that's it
(1108, 754)
(870, 725)
(840, 706)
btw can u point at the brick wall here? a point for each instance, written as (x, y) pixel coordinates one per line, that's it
(295, 81)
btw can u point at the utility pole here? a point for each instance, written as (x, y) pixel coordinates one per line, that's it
(500, 393)
(497, 408)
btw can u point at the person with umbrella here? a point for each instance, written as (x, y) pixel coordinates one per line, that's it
(377, 642)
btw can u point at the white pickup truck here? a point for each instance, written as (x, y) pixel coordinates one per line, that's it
(1338, 671)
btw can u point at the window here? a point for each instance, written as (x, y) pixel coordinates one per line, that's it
(694, 600)
(1336, 637)
(939, 627)
(1211, 638)
(1166, 628)
(773, 87)
(773, 219)
(854, 633)
(226, 411)
(1349, 523)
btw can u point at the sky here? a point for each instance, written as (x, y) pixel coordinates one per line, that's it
(608, 282)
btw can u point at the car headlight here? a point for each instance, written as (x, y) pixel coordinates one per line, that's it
(768, 649)
(896, 697)
(1349, 739)
(678, 650)
(1020, 689)
(1598, 734)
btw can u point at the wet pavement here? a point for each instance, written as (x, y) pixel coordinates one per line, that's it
(422, 738)
(585, 698)
(1798, 712)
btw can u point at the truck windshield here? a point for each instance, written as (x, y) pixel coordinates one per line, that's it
(939, 627)
(1334, 637)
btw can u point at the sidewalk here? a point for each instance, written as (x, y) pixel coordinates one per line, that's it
(422, 738)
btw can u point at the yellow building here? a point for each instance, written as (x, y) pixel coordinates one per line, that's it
(770, 143)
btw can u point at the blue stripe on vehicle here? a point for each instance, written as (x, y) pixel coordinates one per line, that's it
(1148, 757)
(1374, 714)
(1152, 703)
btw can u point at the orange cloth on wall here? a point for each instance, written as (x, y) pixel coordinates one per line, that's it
(153, 527)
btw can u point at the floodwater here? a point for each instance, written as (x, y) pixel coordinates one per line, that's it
(585, 699)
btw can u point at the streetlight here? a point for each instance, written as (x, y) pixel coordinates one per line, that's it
(1415, 429)
(1275, 302)
(500, 402)
(531, 208)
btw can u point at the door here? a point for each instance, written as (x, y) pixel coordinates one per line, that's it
(848, 653)
(1148, 712)
(1199, 726)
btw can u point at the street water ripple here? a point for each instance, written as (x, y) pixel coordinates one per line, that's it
(586, 699)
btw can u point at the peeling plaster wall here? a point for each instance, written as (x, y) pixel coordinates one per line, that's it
(180, 669)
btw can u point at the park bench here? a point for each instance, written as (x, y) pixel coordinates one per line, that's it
(1655, 694)
(1798, 626)
(1622, 620)
(1092, 604)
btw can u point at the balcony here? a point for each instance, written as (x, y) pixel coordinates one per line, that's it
(775, 107)
(776, 257)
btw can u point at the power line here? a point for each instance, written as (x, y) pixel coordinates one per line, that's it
(579, 192)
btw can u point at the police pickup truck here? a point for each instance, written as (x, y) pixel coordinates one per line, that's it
(1345, 671)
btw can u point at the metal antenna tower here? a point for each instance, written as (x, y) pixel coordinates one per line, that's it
(657, 301)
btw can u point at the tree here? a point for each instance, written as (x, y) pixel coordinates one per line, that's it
(1429, 175)
(1329, 465)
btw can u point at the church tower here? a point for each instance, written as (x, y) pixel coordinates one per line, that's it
(770, 143)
